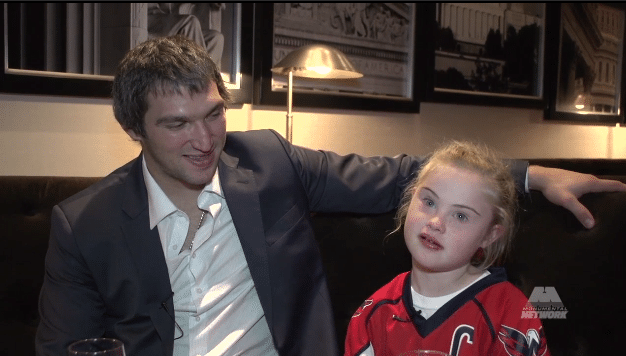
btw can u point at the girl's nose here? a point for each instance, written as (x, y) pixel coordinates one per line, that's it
(436, 223)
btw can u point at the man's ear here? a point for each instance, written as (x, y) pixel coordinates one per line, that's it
(496, 232)
(133, 135)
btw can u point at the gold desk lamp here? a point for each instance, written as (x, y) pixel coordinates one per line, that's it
(313, 61)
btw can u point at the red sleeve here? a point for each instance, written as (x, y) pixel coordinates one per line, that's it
(360, 334)
(357, 338)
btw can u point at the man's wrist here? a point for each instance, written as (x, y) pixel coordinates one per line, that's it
(538, 177)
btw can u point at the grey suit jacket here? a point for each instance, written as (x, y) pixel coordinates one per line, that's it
(106, 273)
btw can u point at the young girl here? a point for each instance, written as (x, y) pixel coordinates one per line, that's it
(458, 217)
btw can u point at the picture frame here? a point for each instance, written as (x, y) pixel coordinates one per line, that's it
(486, 54)
(288, 26)
(586, 66)
(41, 57)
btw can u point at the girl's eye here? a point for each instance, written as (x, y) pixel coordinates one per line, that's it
(428, 202)
(460, 216)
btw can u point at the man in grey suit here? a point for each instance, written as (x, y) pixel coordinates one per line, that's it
(203, 244)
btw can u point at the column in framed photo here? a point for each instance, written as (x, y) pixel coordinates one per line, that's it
(378, 38)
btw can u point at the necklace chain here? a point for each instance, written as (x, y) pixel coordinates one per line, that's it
(198, 228)
(201, 219)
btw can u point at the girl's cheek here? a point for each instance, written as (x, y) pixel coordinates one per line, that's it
(411, 221)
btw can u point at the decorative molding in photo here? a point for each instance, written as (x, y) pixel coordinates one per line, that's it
(377, 38)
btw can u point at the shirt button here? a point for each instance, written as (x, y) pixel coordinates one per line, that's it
(199, 290)
(174, 247)
(197, 318)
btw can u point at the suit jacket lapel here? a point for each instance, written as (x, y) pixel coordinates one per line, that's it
(242, 196)
(145, 247)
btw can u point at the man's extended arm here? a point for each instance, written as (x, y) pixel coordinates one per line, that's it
(561, 187)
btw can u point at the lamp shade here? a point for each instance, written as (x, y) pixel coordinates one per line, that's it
(317, 61)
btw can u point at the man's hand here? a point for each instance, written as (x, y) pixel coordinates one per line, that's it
(563, 188)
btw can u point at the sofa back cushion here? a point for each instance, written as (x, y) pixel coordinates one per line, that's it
(586, 267)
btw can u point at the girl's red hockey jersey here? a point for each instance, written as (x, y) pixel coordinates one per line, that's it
(483, 320)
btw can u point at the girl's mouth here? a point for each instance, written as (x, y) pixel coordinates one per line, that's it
(430, 243)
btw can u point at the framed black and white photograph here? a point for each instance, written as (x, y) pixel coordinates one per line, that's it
(377, 38)
(488, 54)
(587, 48)
(73, 48)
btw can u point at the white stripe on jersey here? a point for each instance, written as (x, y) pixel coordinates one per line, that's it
(369, 351)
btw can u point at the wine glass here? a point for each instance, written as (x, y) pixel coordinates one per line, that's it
(97, 347)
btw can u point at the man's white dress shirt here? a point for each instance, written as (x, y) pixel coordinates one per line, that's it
(215, 301)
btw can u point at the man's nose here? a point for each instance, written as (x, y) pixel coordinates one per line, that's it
(201, 136)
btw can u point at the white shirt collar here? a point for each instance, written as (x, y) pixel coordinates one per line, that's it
(160, 206)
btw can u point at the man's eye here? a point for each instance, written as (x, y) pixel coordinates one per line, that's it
(216, 114)
(175, 125)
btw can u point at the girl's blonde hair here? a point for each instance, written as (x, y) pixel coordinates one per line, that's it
(502, 194)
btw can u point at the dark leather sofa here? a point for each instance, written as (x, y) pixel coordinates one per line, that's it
(586, 267)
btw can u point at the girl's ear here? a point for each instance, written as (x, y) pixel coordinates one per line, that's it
(496, 232)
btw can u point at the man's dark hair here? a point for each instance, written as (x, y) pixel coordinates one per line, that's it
(161, 66)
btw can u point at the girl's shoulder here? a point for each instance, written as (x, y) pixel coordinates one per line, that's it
(500, 292)
(393, 289)
(391, 293)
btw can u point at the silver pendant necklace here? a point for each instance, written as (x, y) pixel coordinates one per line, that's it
(198, 228)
